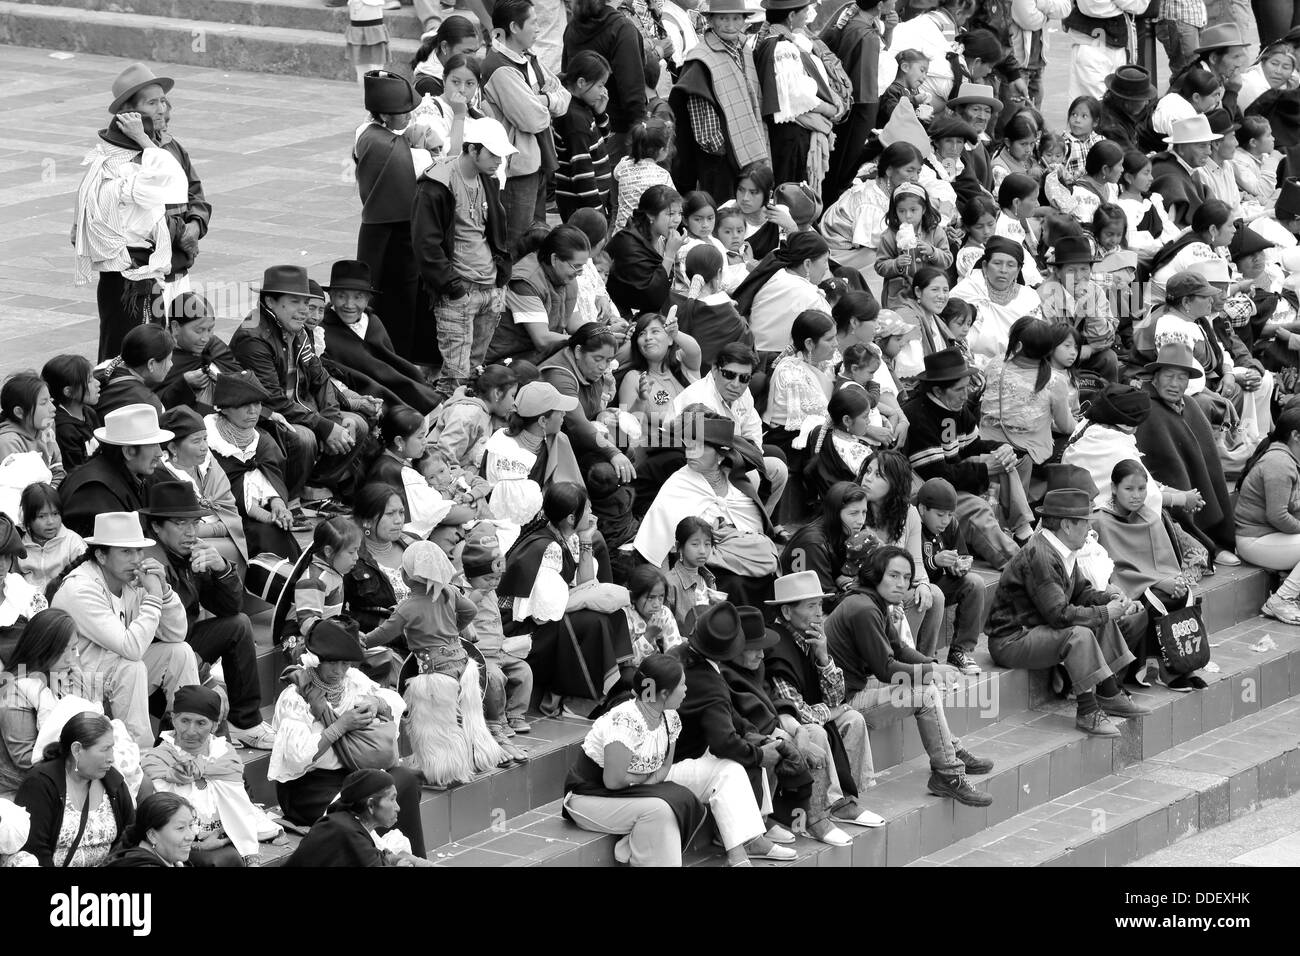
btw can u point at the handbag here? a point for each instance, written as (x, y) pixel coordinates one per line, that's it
(267, 576)
(1184, 641)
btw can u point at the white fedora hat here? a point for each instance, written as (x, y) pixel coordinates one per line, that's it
(800, 586)
(119, 529)
(133, 425)
(1194, 129)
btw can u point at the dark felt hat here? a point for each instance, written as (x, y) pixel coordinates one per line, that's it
(285, 280)
(134, 79)
(11, 542)
(1071, 250)
(174, 499)
(350, 274)
(1288, 202)
(1120, 405)
(182, 421)
(362, 784)
(336, 639)
(719, 634)
(387, 92)
(942, 127)
(1060, 476)
(946, 365)
(1247, 242)
(754, 627)
(1066, 503)
(242, 388)
(1132, 83)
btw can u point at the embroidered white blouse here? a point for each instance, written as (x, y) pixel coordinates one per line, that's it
(625, 725)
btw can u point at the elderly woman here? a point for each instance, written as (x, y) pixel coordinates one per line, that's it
(253, 463)
(580, 639)
(332, 720)
(943, 442)
(823, 545)
(994, 289)
(131, 625)
(203, 768)
(713, 486)
(1178, 447)
(114, 478)
(79, 804)
(1268, 513)
(580, 371)
(621, 782)
(783, 286)
(189, 460)
(348, 832)
(1274, 70)
(161, 835)
(47, 660)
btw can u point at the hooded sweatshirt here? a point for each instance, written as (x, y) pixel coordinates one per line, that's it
(613, 36)
(461, 428)
(14, 439)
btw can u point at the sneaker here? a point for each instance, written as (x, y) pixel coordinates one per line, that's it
(520, 726)
(959, 788)
(827, 832)
(1096, 724)
(974, 764)
(1122, 705)
(261, 737)
(1281, 609)
(964, 661)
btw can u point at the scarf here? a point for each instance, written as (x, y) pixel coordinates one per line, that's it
(169, 762)
(97, 224)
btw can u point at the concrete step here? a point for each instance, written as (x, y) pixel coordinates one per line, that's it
(283, 14)
(1213, 778)
(156, 39)
(1040, 758)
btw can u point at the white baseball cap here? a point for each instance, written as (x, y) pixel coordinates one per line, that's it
(489, 134)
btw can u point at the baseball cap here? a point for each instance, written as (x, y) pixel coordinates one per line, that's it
(490, 134)
(538, 398)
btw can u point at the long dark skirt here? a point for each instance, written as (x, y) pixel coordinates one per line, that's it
(790, 143)
(742, 589)
(850, 149)
(386, 248)
(303, 801)
(585, 654)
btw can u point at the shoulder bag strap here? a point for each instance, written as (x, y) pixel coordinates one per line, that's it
(81, 830)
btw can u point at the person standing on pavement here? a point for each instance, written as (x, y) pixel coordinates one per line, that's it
(386, 181)
(1100, 31)
(525, 95)
(458, 229)
(207, 582)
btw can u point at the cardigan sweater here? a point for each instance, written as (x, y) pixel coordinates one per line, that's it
(1035, 590)
(44, 793)
(1268, 500)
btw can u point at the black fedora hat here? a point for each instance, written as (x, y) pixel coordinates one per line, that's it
(1066, 503)
(337, 639)
(1221, 122)
(1288, 201)
(174, 499)
(387, 92)
(719, 633)
(754, 626)
(286, 280)
(1071, 250)
(1247, 242)
(1132, 83)
(350, 274)
(946, 365)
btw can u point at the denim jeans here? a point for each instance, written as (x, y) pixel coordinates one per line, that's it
(1089, 656)
(967, 594)
(878, 702)
(508, 686)
(465, 327)
(524, 199)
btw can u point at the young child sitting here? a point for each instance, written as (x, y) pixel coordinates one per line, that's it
(708, 314)
(1082, 119)
(730, 231)
(691, 585)
(913, 238)
(1015, 154)
(449, 736)
(1255, 164)
(650, 622)
(958, 317)
(316, 584)
(913, 67)
(508, 680)
(50, 546)
(1109, 227)
(1018, 202)
(979, 217)
(948, 563)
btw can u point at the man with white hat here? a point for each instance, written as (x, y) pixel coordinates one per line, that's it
(458, 230)
(131, 625)
(1173, 171)
(808, 688)
(118, 476)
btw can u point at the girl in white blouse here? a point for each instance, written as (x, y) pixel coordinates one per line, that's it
(627, 782)
(799, 388)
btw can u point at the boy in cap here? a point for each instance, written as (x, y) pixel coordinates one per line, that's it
(508, 680)
(948, 561)
(459, 227)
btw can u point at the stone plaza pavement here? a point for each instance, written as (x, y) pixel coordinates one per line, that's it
(274, 154)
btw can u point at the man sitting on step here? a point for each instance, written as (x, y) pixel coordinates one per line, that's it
(205, 581)
(1045, 613)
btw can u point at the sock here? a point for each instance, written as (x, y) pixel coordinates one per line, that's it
(1087, 702)
(1109, 687)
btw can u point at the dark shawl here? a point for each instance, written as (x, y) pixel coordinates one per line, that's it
(825, 467)
(337, 839)
(371, 361)
(98, 487)
(637, 283)
(749, 696)
(270, 461)
(176, 391)
(1179, 451)
(125, 388)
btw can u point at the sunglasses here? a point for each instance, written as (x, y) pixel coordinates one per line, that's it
(741, 377)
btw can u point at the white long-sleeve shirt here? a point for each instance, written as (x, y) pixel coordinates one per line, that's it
(298, 732)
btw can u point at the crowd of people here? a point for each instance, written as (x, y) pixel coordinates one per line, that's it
(688, 362)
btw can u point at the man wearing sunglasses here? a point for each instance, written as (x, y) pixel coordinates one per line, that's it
(725, 390)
